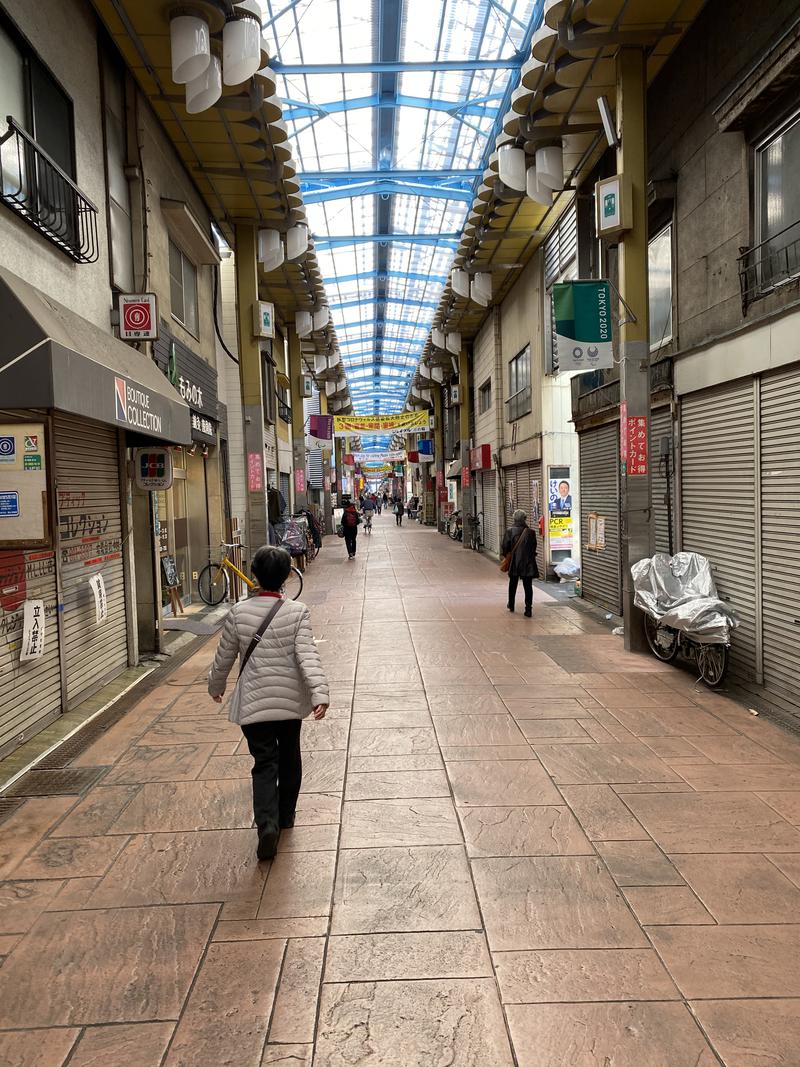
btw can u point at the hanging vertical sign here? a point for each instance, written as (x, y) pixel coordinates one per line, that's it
(637, 451)
(100, 600)
(255, 473)
(582, 314)
(299, 481)
(32, 630)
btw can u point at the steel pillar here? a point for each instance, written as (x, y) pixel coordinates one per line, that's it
(298, 417)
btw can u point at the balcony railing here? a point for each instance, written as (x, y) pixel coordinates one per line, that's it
(767, 266)
(37, 189)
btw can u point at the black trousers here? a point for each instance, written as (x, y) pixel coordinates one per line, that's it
(277, 771)
(399, 520)
(350, 535)
(527, 585)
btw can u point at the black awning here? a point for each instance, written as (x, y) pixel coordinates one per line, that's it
(51, 357)
(454, 470)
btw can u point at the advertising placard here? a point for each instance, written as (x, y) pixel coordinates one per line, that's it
(138, 317)
(32, 630)
(559, 509)
(582, 314)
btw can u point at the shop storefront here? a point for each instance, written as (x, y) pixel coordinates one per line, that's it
(71, 395)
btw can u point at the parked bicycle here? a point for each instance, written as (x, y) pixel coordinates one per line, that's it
(474, 530)
(213, 582)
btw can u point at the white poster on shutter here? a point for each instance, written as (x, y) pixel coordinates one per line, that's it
(32, 630)
(100, 602)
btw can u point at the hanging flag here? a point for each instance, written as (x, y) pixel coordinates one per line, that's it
(582, 313)
(405, 422)
(320, 431)
(379, 457)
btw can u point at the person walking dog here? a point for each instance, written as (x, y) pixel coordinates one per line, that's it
(281, 682)
(519, 548)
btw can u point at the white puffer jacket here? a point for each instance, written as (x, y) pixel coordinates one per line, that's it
(284, 678)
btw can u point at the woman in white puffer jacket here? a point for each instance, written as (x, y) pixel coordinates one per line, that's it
(282, 683)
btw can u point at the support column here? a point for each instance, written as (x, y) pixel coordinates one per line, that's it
(465, 395)
(327, 504)
(250, 376)
(298, 417)
(637, 521)
(438, 448)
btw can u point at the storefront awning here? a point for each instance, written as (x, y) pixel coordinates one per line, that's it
(51, 357)
(454, 470)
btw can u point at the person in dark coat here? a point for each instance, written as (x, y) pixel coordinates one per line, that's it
(522, 540)
(351, 521)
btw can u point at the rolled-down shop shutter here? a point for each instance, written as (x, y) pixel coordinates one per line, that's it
(522, 477)
(487, 502)
(780, 533)
(660, 428)
(718, 502)
(601, 575)
(30, 693)
(89, 543)
(284, 488)
(314, 456)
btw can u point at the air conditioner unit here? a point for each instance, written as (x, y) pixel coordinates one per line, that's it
(306, 385)
(455, 394)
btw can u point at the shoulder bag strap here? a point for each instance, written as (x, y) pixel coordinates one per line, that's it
(259, 634)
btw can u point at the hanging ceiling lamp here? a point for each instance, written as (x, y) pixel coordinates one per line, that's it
(453, 343)
(322, 316)
(190, 46)
(303, 323)
(270, 249)
(296, 241)
(459, 280)
(550, 166)
(204, 91)
(537, 192)
(511, 167)
(241, 48)
(481, 289)
(437, 337)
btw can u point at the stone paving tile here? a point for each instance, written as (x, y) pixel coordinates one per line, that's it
(295, 1010)
(102, 1046)
(37, 1048)
(385, 823)
(27, 825)
(392, 742)
(575, 975)
(299, 885)
(741, 888)
(501, 782)
(751, 1033)
(602, 814)
(389, 785)
(423, 761)
(638, 863)
(97, 812)
(287, 1056)
(163, 764)
(603, 764)
(670, 905)
(21, 904)
(477, 730)
(384, 957)
(71, 857)
(471, 753)
(521, 831)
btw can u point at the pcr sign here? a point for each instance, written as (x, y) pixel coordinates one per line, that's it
(138, 317)
(582, 313)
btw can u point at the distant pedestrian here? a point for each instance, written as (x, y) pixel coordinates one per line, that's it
(351, 520)
(281, 681)
(520, 543)
(399, 511)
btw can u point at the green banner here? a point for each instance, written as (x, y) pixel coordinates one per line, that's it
(582, 313)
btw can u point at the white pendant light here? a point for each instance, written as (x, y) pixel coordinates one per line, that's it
(203, 92)
(437, 373)
(303, 323)
(330, 388)
(550, 166)
(190, 47)
(296, 241)
(320, 363)
(481, 289)
(511, 167)
(241, 49)
(459, 280)
(270, 249)
(538, 193)
(437, 337)
(453, 342)
(322, 316)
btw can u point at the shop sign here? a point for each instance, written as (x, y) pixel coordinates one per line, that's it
(582, 314)
(32, 630)
(9, 504)
(255, 473)
(299, 480)
(133, 407)
(153, 468)
(480, 458)
(98, 587)
(202, 425)
(138, 317)
(636, 451)
(613, 199)
(465, 477)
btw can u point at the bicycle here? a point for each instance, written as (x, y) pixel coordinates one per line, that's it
(368, 522)
(474, 523)
(213, 581)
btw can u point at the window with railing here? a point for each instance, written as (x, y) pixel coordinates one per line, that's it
(284, 411)
(519, 385)
(775, 259)
(37, 159)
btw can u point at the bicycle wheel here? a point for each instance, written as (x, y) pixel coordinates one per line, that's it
(712, 662)
(212, 584)
(663, 642)
(293, 586)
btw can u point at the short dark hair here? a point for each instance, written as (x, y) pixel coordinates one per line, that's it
(564, 482)
(271, 567)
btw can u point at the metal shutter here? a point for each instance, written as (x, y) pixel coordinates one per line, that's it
(30, 693)
(491, 518)
(89, 542)
(718, 502)
(314, 455)
(523, 476)
(601, 577)
(780, 533)
(661, 426)
(285, 489)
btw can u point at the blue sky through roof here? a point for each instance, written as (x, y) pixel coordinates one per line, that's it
(342, 138)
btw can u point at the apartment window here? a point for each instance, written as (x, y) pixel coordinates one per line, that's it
(778, 204)
(659, 273)
(485, 396)
(183, 288)
(519, 385)
(119, 205)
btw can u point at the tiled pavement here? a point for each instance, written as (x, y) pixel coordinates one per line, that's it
(516, 844)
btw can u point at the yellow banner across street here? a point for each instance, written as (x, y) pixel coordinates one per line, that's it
(406, 422)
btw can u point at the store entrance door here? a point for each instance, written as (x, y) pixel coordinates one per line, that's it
(200, 549)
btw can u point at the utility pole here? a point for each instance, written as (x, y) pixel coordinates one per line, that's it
(250, 376)
(298, 418)
(635, 486)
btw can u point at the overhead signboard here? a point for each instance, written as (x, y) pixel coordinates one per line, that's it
(406, 422)
(614, 207)
(582, 314)
(138, 317)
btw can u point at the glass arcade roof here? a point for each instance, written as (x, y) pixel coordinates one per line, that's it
(392, 106)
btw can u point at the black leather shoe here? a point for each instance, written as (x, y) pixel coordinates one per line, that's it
(528, 613)
(267, 846)
(510, 607)
(287, 823)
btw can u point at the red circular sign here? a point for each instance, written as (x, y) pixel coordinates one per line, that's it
(136, 316)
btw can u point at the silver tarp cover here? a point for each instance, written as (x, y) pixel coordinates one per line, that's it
(680, 592)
